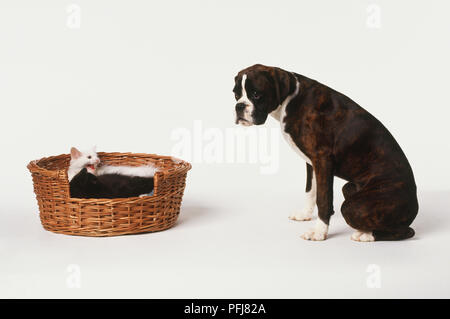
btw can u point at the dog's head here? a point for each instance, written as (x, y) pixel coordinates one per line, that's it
(259, 90)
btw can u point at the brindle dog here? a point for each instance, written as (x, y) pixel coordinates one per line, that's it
(336, 137)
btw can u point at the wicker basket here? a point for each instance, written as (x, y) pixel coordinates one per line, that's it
(62, 214)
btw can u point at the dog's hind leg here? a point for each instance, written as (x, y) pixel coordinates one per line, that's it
(348, 190)
(352, 216)
(378, 214)
(307, 212)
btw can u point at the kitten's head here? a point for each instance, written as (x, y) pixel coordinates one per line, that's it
(87, 159)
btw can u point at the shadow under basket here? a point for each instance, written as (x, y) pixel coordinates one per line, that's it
(62, 214)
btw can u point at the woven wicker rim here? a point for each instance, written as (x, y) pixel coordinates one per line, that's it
(181, 167)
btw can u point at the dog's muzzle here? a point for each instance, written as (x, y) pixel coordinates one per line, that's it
(243, 115)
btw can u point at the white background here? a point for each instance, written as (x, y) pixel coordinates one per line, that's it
(135, 71)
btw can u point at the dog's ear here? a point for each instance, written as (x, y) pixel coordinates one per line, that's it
(284, 83)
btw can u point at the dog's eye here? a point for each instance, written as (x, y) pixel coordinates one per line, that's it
(89, 157)
(256, 95)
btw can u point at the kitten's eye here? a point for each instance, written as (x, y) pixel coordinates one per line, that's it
(89, 157)
(256, 95)
(236, 96)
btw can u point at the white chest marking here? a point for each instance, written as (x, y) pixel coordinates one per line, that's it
(280, 114)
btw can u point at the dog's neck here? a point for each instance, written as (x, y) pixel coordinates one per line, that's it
(276, 114)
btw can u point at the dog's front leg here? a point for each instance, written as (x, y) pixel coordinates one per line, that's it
(310, 199)
(323, 170)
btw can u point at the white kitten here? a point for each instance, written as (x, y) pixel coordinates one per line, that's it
(80, 160)
(90, 160)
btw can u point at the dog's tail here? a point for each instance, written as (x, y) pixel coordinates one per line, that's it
(398, 234)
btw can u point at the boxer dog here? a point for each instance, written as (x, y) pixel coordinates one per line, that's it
(336, 137)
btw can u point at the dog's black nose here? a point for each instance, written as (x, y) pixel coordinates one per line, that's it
(240, 107)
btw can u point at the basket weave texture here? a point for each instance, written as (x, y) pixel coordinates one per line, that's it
(62, 214)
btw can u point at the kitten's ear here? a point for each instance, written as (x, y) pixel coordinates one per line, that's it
(75, 153)
(94, 148)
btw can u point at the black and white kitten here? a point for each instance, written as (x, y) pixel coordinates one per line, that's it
(87, 185)
(94, 180)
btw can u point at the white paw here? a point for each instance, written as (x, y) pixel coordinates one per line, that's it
(313, 235)
(319, 232)
(356, 235)
(302, 215)
(362, 236)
